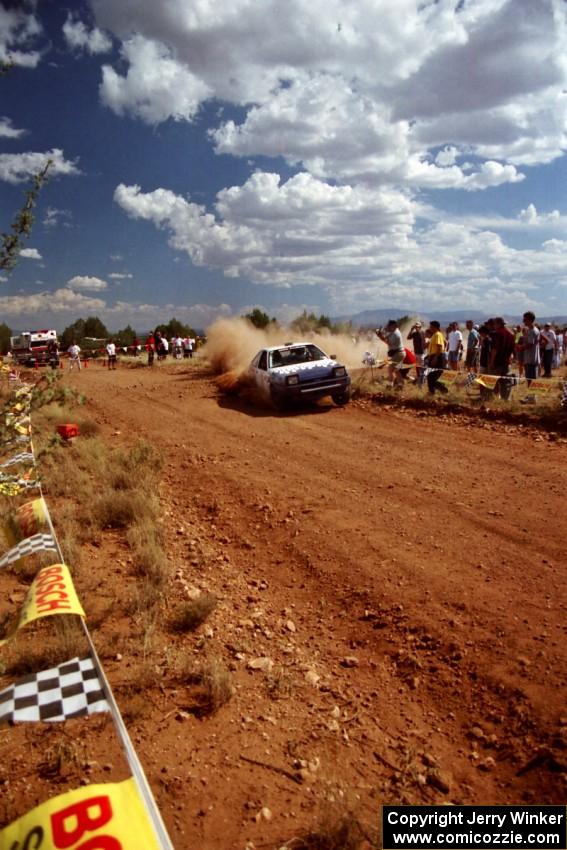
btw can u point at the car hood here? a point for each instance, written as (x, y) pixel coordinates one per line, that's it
(306, 371)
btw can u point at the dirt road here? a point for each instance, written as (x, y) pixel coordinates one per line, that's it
(404, 572)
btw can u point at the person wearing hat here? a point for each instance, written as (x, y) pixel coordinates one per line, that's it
(393, 338)
(548, 339)
(417, 337)
(473, 347)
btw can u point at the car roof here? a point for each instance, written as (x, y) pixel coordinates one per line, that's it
(288, 345)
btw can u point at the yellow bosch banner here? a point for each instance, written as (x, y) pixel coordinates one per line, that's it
(488, 381)
(544, 386)
(52, 592)
(109, 817)
(28, 519)
(448, 377)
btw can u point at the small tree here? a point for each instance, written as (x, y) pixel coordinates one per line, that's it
(175, 328)
(12, 243)
(125, 337)
(259, 319)
(95, 328)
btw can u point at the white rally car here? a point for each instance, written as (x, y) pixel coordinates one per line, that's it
(298, 370)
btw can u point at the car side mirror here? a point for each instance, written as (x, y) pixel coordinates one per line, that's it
(333, 356)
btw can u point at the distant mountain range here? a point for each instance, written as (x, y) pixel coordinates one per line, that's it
(379, 316)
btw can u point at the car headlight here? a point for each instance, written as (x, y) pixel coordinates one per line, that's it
(339, 371)
(292, 380)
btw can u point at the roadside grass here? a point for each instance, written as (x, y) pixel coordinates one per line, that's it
(210, 681)
(189, 615)
(522, 407)
(337, 828)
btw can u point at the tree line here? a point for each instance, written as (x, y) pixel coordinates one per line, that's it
(302, 324)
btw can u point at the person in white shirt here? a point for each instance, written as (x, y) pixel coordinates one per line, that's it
(455, 346)
(74, 356)
(548, 341)
(111, 351)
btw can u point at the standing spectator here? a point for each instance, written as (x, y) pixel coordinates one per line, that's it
(530, 347)
(417, 336)
(485, 349)
(392, 336)
(151, 349)
(559, 353)
(74, 356)
(473, 347)
(454, 345)
(435, 358)
(53, 353)
(519, 339)
(111, 352)
(503, 345)
(548, 341)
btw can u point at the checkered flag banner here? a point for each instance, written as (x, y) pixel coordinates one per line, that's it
(71, 690)
(22, 483)
(470, 379)
(22, 457)
(29, 546)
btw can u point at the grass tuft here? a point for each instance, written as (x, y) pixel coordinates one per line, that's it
(190, 615)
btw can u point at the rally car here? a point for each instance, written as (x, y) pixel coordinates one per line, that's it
(296, 371)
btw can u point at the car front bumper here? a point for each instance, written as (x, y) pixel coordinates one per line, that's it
(312, 389)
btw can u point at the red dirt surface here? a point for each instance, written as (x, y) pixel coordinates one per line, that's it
(404, 573)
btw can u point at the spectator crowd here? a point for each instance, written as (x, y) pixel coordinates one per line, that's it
(491, 348)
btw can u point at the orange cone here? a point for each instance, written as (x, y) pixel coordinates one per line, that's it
(86, 364)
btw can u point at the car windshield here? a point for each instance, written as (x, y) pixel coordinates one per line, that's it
(295, 355)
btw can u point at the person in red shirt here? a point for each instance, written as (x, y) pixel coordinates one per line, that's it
(503, 346)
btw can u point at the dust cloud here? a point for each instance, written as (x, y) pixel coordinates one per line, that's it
(232, 343)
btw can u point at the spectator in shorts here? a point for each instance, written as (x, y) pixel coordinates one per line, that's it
(530, 347)
(111, 353)
(548, 342)
(435, 358)
(473, 347)
(74, 356)
(392, 336)
(503, 345)
(417, 337)
(454, 346)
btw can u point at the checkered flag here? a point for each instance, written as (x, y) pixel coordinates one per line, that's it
(470, 379)
(22, 457)
(71, 690)
(28, 546)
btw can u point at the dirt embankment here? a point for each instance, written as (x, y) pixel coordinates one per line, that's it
(404, 578)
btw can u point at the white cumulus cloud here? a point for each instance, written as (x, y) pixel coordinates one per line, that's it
(30, 254)
(120, 275)
(79, 37)
(19, 167)
(18, 31)
(156, 86)
(7, 131)
(87, 283)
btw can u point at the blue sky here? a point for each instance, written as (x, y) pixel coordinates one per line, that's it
(209, 158)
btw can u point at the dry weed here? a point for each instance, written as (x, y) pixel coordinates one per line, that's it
(193, 613)
(118, 509)
(338, 828)
(62, 754)
(214, 686)
(279, 684)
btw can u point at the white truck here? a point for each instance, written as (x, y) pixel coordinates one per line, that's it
(31, 347)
